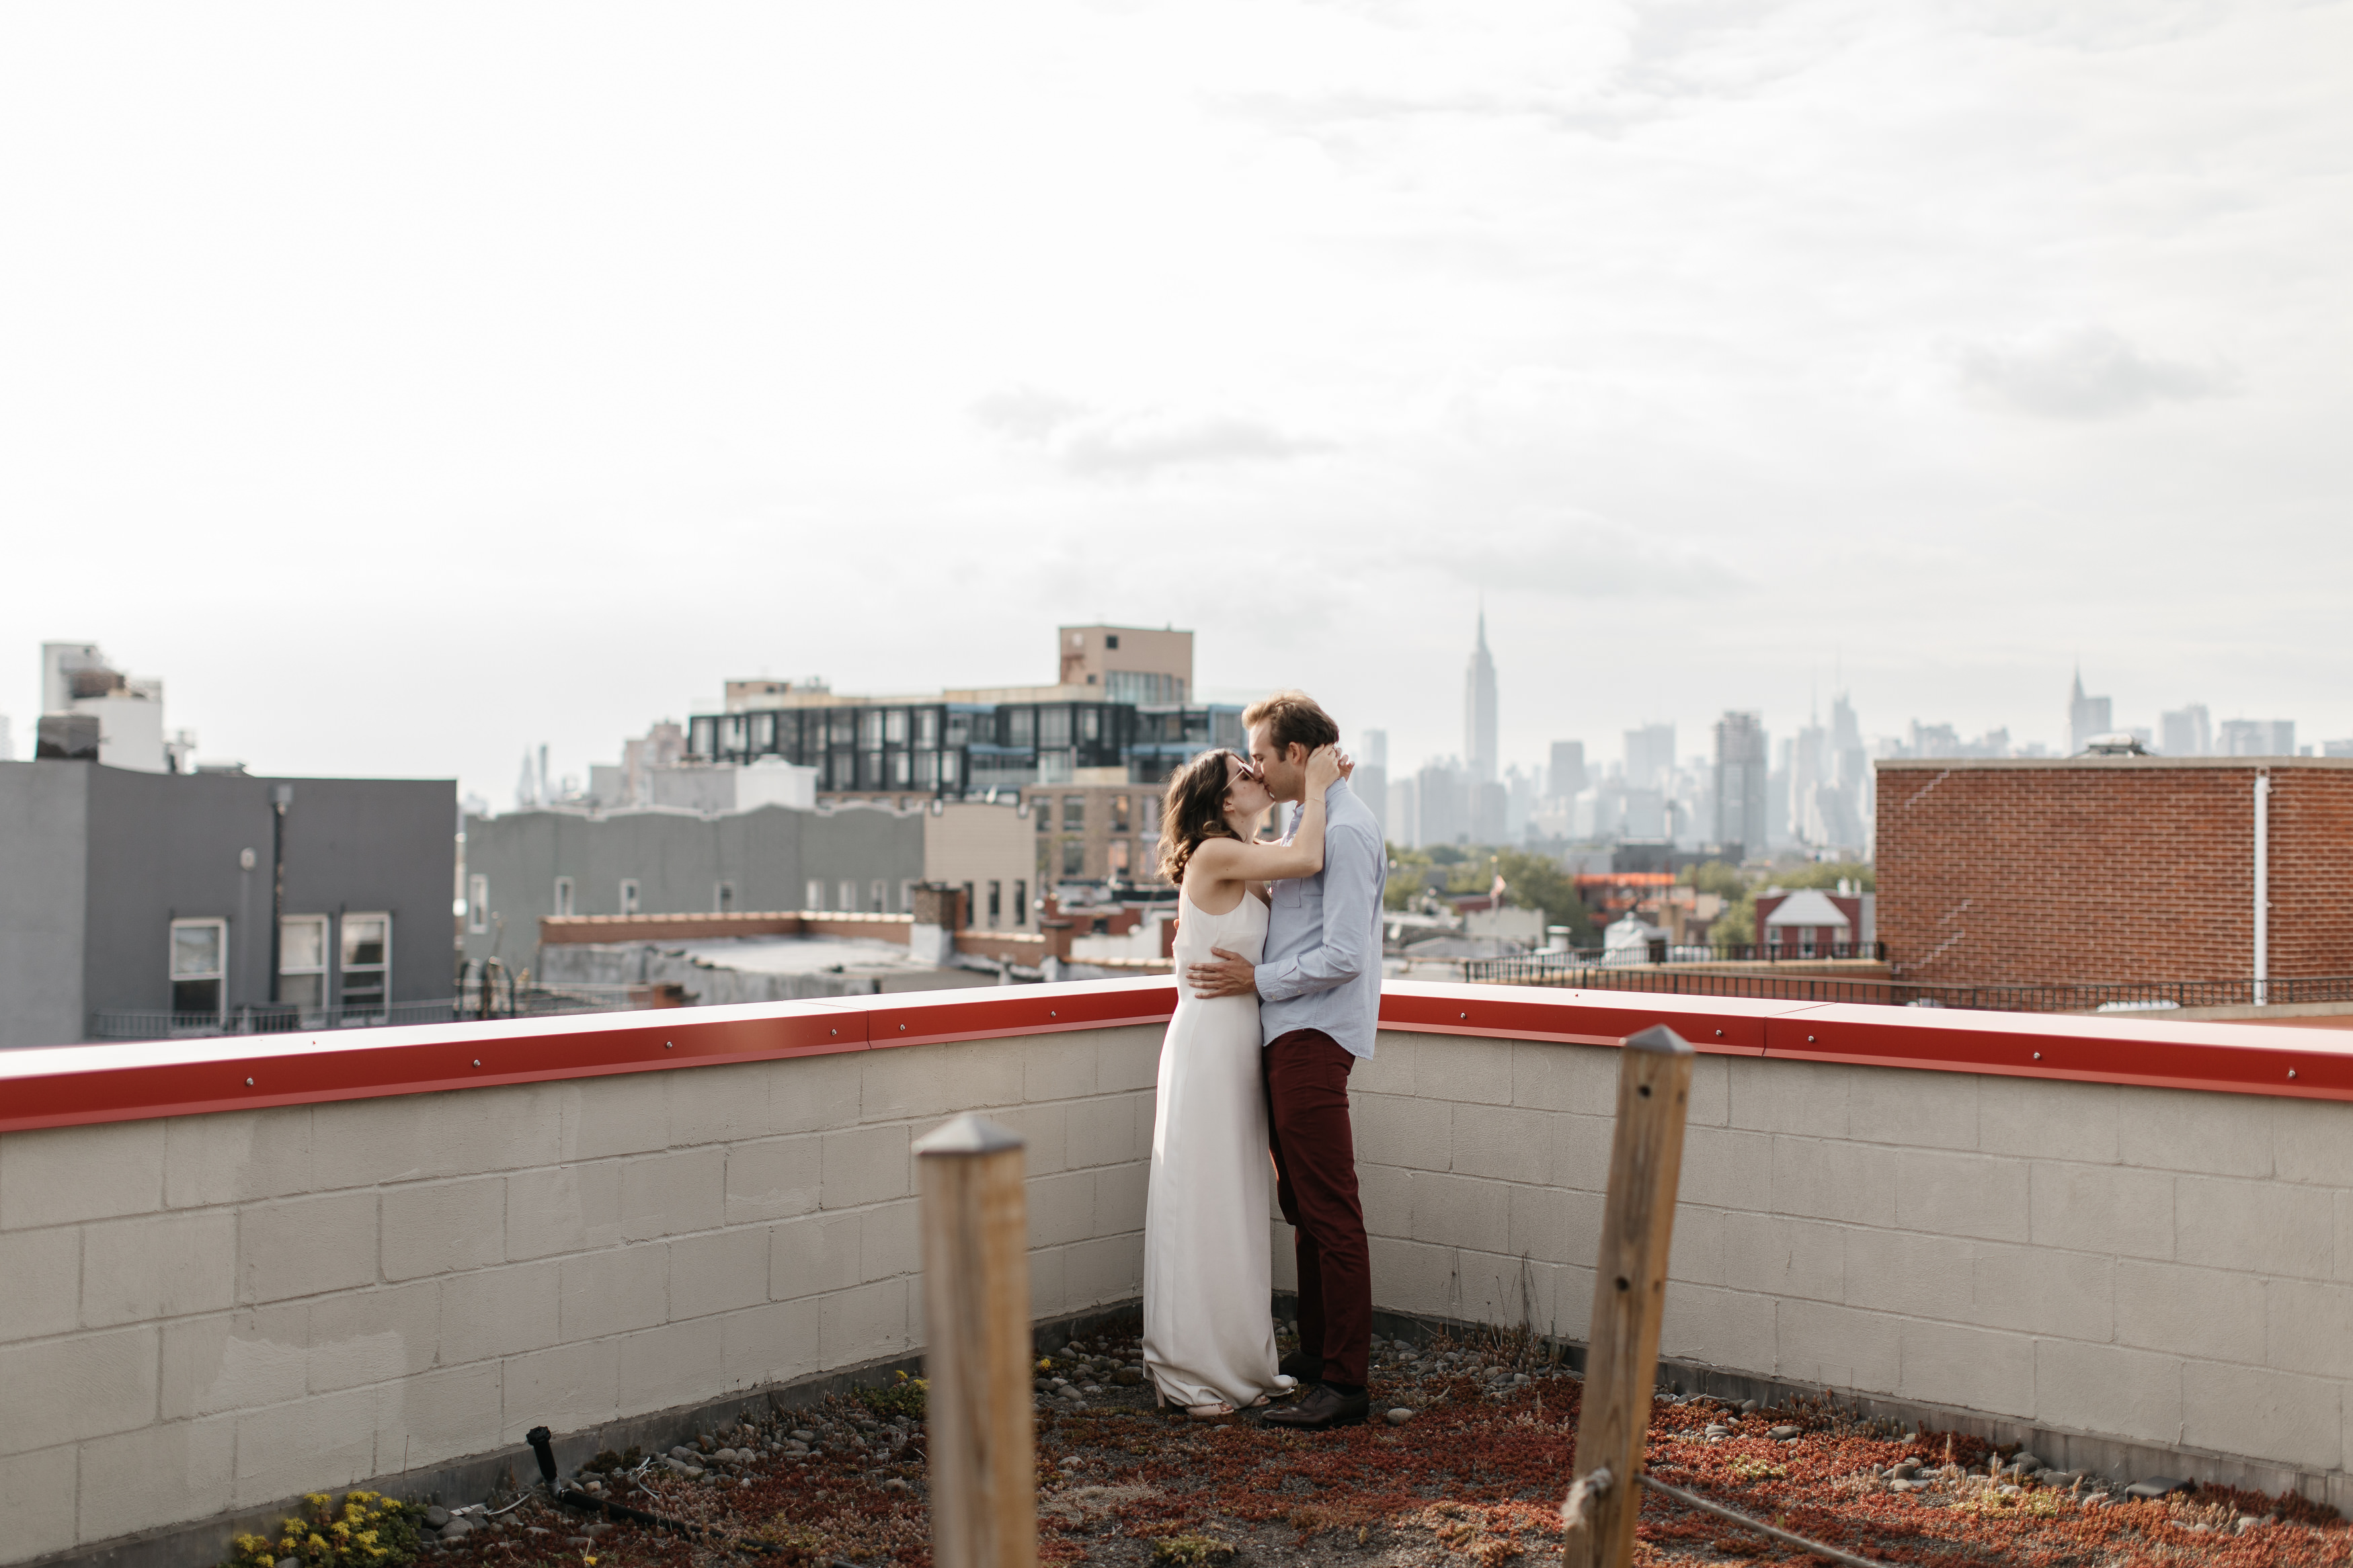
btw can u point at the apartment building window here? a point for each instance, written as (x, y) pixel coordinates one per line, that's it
(1075, 856)
(894, 726)
(878, 891)
(563, 896)
(1074, 812)
(813, 896)
(1118, 850)
(1021, 903)
(970, 911)
(366, 963)
(907, 896)
(1119, 813)
(478, 911)
(1042, 807)
(927, 727)
(628, 895)
(1053, 727)
(1021, 726)
(722, 897)
(995, 904)
(848, 894)
(901, 769)
(302, 964)
(199, 969)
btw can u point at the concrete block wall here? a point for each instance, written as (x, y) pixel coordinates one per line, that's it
(209, 1313)
(2164, 1268)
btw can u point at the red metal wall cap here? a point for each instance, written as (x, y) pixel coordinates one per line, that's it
(69, 1085)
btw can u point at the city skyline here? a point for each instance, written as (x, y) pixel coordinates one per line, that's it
(1414, 739)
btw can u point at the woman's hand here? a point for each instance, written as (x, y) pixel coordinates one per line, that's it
(1323, 769)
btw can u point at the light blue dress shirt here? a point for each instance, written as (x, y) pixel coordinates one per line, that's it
(1323, 963)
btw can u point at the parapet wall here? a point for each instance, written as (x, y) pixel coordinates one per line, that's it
(2164, 1268)
(442, 1236)
(209, 1313)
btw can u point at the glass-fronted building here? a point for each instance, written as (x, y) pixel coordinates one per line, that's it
(957, 748)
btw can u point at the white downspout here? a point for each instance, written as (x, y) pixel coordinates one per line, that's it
(2263, 885)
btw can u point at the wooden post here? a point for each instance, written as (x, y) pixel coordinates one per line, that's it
(975, 1224)
(1630, 1291)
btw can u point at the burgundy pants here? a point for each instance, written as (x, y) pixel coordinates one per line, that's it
(1315, 1181)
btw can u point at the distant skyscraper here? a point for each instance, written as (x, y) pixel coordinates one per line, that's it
(1810, 770)
(2086, 716)
(1403, 822)
(1566, 777)
(1741, 770)
(1649, 755)
(1371, 780)
(2185, 733)
(1442, 802)
(1479, 746)
(2257, 738)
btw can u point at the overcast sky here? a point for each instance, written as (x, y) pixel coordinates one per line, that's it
(409, 385)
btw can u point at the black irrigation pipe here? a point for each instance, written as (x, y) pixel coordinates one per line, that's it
(1692, 1500)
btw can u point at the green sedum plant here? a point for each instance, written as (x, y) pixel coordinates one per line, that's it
(365, 1530)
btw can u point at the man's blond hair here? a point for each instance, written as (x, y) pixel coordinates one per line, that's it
(1292, 718)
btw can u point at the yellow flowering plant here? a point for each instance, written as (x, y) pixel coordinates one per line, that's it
(367, 1530)
(903, 1396)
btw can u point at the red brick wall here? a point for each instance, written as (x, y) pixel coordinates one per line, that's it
(2110, 870)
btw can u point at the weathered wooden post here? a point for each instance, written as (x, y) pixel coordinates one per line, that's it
(1630, 1291)
(975, 1225)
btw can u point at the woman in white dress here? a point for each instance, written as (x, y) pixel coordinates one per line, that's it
(1208, 1339)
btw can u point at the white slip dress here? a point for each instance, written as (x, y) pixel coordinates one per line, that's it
(1208, 1334)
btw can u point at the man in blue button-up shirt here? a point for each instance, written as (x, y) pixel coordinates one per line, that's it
(1319, 989)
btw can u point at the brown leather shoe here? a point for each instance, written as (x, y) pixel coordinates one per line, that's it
(1321, 1409)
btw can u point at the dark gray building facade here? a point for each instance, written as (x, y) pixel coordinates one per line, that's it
(139, 904)
(522, 866)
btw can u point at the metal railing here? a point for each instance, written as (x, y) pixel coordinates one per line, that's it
(1536, 968)
(2121, 996)
(501, 1001)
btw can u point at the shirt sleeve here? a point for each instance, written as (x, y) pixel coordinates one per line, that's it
(1355, 867)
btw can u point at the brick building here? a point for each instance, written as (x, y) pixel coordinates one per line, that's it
(1095, 831)
(2027, 871)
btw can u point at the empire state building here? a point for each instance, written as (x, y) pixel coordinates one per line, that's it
(1487, 796)
(1479, 711)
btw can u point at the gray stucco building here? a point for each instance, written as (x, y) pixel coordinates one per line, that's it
(135, 904)
(525, 865)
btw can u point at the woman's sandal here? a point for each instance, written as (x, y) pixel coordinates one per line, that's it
(1216, 1412)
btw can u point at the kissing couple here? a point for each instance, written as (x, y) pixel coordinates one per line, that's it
(1279, 948)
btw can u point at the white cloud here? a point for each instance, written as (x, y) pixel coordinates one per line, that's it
(2082, 373)
(1129, 446)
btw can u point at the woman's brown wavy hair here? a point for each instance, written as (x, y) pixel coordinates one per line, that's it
(1193, 807)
